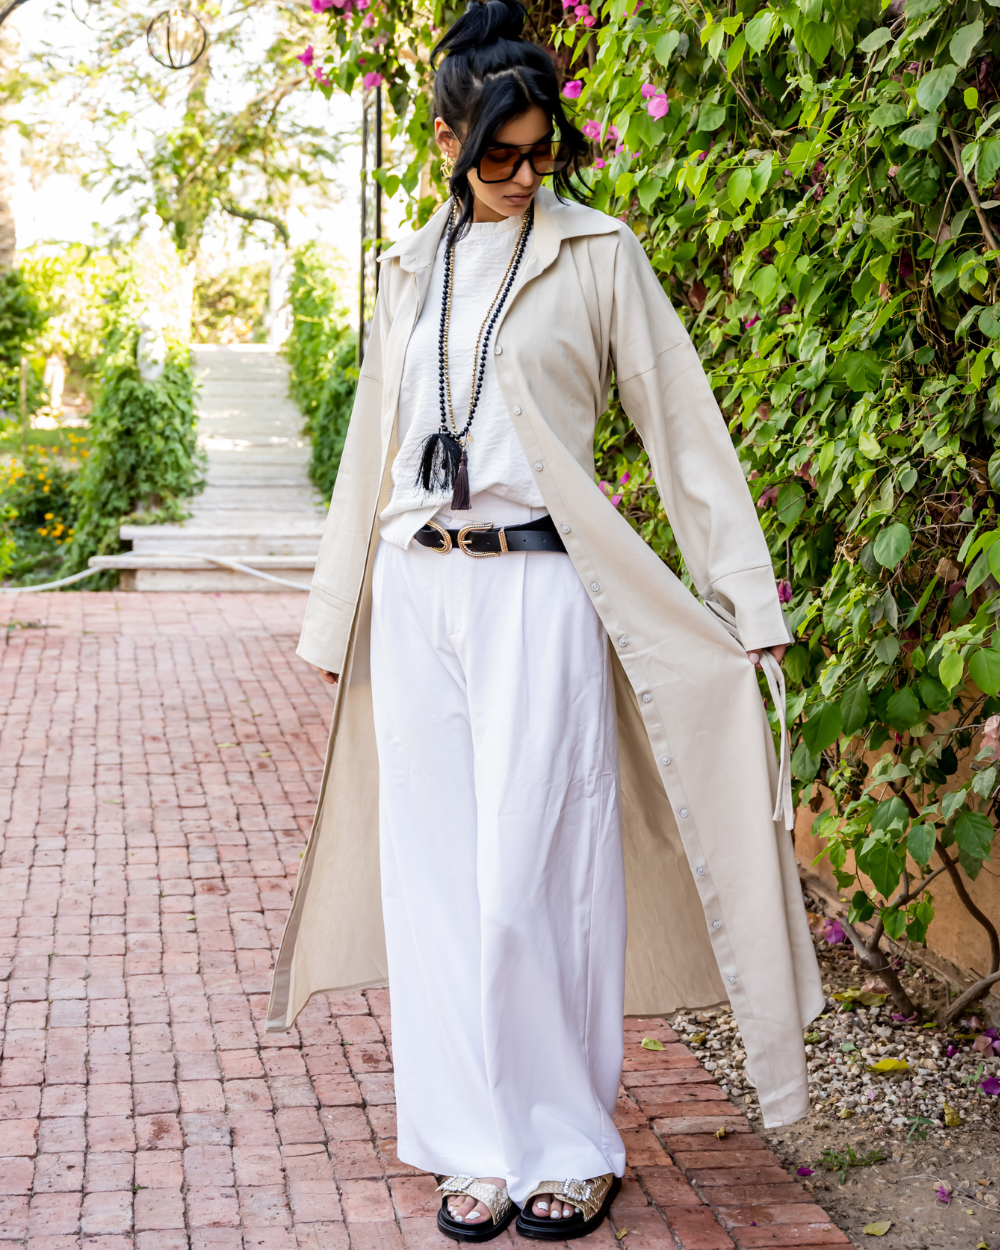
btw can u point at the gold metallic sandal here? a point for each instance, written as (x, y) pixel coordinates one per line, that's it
(592, 1200)
(497, 1200)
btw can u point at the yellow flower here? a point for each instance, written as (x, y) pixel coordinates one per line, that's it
(42, 532)
(49, 516)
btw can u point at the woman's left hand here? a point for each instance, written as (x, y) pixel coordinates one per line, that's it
(777, 652)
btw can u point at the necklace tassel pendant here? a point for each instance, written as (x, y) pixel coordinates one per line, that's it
(440, 462)
(461, 500)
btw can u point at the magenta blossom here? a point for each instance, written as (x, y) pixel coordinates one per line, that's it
(804, 1171)
(369, 20)
(647, 91)
(619, 149)
(625, 477)
(658, 107)
(371, 80)
(768, 497)
(615, 500)
(612, 134)
(591, 129)
(590, 20)
(952, 1050)
(990, 1086)
(943, 1195)
(571, 90)
(306, 57)
(751, 321)
(599, 164)
(784, 591)
(318, 6)
(582, 10)
(834, 933)
(320, 75)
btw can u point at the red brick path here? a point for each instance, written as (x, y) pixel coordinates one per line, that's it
(159, 756)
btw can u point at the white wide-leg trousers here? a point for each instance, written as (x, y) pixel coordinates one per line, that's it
(502, 879)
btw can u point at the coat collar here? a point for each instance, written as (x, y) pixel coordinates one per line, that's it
(554, 221)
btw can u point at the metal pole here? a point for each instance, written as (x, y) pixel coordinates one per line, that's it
(24, 406)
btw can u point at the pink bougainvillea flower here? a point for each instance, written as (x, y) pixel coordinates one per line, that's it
(619, 149)
(599, 164)
(571, 90)
(942, 1194)
(319, 5)
(951, 1050)
(834, 932)
(611, 134)
(625, 477)
(306, 57)
(615, 500)
(581, 10)
(638, 6)
(658, 106)
(589, 20)
(955, 587)
(788, 173)
(591, 129)
(804, 1171)
(604, 486)
(768, 497)
(371, 80)
(784, 591)
(568, 4)
(380, 40)
(990, 1086)
(369, 20)
(321, 78)
(647, 90)
(750, 322)
(991, 735)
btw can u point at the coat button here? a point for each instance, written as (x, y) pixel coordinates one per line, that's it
(646, 698)
(498, 349)
(731, 980)
(564, 528)
(537, 466)
(684, 811)
(665, 761)
(595, 586)
(516, 411)
(716, 924)
(623, 641)
(701, 870)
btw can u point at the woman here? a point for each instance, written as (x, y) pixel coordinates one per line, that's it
(533, 678)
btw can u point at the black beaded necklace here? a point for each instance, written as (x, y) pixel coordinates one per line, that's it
(444, 462)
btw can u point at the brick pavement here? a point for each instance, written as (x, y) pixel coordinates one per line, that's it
(159, 759)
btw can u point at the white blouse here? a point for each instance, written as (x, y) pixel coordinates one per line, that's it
(495, 460)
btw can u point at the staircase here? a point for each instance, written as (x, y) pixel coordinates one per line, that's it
(258, 507)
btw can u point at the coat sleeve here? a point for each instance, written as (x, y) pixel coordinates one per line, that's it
(343, 552)
(666, 394)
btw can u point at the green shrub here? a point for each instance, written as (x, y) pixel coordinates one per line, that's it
(322, 353)
(229, 307)
(37, 509)
(21, 319)
(143, 457)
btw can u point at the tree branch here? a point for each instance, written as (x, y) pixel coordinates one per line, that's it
(248, 215)
(970, 906)
(970, 996)
(973, 195)
(9, 9)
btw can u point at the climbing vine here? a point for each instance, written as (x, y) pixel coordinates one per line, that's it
(816, 184)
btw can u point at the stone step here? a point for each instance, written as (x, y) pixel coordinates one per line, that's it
(187, 572)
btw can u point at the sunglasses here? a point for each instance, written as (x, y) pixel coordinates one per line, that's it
(501, 163)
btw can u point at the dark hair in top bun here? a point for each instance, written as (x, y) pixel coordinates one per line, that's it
(489, 76)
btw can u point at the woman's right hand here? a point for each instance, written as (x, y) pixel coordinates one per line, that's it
(331, 679)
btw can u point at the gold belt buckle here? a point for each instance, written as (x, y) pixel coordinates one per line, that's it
(442, 551)
(463, 539)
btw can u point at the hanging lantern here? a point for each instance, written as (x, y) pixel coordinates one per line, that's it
(176, 38)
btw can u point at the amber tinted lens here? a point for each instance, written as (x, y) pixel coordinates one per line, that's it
(498, 164)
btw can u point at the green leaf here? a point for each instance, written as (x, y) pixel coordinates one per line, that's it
(951, 669)
(920, 842)
(963, 41)
(758, 29)
(933, 693)
(711, 116)
(877, 39)
(974, 834)
(818, 38)
(863, 370)
(737, 50)
(869, 446)
(984, 669)
(970, 98)
(993, 472)
(989, 161)
(903, 709)
(765, 283)
(934, 86)
(884, 866)
(652, 1043)
(738, 186)
(892, 544)
(855, 705)
(890, 814)
(922, 135)
(887, 115)
(822, 728)
(791, 503)
(886, 649)
(666, 45)
(894, 923)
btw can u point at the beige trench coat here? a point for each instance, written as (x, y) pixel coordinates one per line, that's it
(714, 902)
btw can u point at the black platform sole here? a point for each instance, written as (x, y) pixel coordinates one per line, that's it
(472, 1232)
(541, 1229)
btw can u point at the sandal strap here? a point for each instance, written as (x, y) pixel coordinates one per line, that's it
(587, 1195)
(493, 1197)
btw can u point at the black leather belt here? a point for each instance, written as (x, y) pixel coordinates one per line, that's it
(482, 540)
